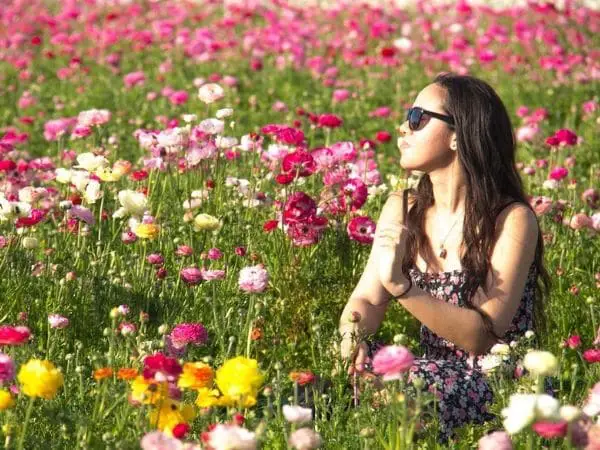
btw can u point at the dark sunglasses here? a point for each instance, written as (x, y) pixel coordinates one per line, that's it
(415, 116)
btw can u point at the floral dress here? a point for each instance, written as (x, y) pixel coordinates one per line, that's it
(449, 372)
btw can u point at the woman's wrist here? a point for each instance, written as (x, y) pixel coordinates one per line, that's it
(400, 288)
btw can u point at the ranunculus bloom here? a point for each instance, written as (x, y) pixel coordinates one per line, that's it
(361, 229)
(580, 221)
(299, 207)
(14, 335)
(498, 440)
(356, 192)
(550, 430)
(297, 414)
(40, 379)
(188, 333)
(300, 162)
(229, 436)
(239, 378)
(191, 275)
(134, 79)
(592, 355)
(573, 342)
(253, 279)
(161, 367)
(210, 93)
(392, 361)
(7, 368)
(305, 439)
(540, 363)
(558, 173)
(330, 121)
(57, 321)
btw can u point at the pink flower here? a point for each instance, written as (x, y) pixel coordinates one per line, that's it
(127, 328)
(330, 121)
(591, 196)
(573, 342)
(210, 275)
(134, 79)
(581, 220)
(356, 191)
(558, 173)
(10, 335)
(308, 232)
(592, 355)
(191, 275)
(299, 161)
(253, 279)
(361, 229)
(392, 361)
(57, 321)
(527, 133)
(305, 439)
(128, 237)
(341, 95)
(214, 254)
(550, 430)
(7, 368)
(178, 97)
(381, 112)
(299, 207)
(157, 440)
(498, 440)
(184, 250)
(156, 259)
(188, 333)
(54, 129)
(83, 214)
(93, 117)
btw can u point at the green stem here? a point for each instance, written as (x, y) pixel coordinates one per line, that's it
(27, 417)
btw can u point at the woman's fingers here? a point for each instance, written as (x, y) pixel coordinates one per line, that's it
(360, 358)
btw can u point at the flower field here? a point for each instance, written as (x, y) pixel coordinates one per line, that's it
(188, 194)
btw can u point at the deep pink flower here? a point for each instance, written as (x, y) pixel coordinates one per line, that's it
(330, 121)
(558, 173)
(551, 430)
(178, 97)
(290, 136)
(191, 275)
(592, 355)
(573, 341)
(299, 161)
(7, 368)
(392, 361)
(155, 259)
(214, 253)
(10, 335)
(361, 229)
(299, 207)
(308, 232)
(354, 190)
(188, 333)
(161, 368)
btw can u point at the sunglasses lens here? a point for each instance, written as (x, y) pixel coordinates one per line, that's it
(414, 118)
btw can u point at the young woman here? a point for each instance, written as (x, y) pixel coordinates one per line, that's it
(462, 253)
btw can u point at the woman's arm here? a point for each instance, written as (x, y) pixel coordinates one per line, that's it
(512, 256)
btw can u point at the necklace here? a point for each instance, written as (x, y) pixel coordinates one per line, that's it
(443, 252)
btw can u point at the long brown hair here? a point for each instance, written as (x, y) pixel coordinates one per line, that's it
(486, 150)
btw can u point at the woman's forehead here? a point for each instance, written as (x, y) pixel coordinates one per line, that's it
(432, 97)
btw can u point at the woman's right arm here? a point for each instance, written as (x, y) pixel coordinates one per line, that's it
(368, 303)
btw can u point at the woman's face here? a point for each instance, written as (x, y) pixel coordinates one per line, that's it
(428, 147)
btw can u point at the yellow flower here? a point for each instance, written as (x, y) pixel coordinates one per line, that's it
(195, 375)
(108, 175)
(147, 230)
(170, 413)
(239, 379)
(6, 400)
(206, 222)
(148, 391)
(207, 398)
(40, 379)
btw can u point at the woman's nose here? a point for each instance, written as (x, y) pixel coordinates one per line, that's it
(403, 129)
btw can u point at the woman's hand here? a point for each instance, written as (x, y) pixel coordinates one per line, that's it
(390, 239)
(357, 354)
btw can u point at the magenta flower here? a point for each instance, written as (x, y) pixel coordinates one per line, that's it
(253, 279)
(214, 253)
(299, 161)
(7, 368)
(392, 361)
(191, 275)
(156, 259)
(356, 191)
(558, 173)
(14, 335)
(161, 367)
(188, 333)
(299, 207)
(330, 121)
(361, 229)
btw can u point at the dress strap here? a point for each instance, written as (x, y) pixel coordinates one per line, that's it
(404, 206)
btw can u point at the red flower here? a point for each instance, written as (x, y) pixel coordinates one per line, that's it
(383, 136)
(302, 378)
(139, 175)
(180, 430)
(330, 121)
(284, 178)
(361, 229)
(161, 367)
(299, 161)
(356, 191)
(14, 335)
(308, 232)
(388, 52)
(270, 225)
(592, 355)
(34, 218)
(7, 164)
(550, 430)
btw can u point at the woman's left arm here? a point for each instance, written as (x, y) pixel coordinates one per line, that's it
(513, 254)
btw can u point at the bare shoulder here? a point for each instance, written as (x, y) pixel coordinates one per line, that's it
(519, 222)
(393, 207)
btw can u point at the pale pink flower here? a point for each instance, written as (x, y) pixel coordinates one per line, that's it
(57, 321)
(253, 279)
(157, 440)
(134, 79)
(581, 220)
(498, 440)
(229, 436)
(392, 361)
(93, 117)
(305, 439)
(210, 275)
(210, 93)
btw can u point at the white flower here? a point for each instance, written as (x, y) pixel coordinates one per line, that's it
(225, 141)
(210, 93)
(92, 192)
(551, 184)
(225, 112)
(519, 413)
(188, 118)
(231, 437)
(297, 414)
(173, 139)
(569, 412)
(540, 363)
(212, 126)
(80, 179)
(529, 334)
(91, 162)
(547, 407)
(490, 362)
(500, 349)
(132, 203)
(63, 175)
(30, 242)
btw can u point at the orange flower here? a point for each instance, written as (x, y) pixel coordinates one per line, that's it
(127, 373)
(103, 372)
(256, 334)
(302, 378)
(196, 375)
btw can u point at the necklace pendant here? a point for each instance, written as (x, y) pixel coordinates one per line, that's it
(443, 253)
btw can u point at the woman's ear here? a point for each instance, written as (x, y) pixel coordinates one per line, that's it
(453, 144)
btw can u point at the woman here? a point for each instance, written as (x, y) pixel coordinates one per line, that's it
(462, 253)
